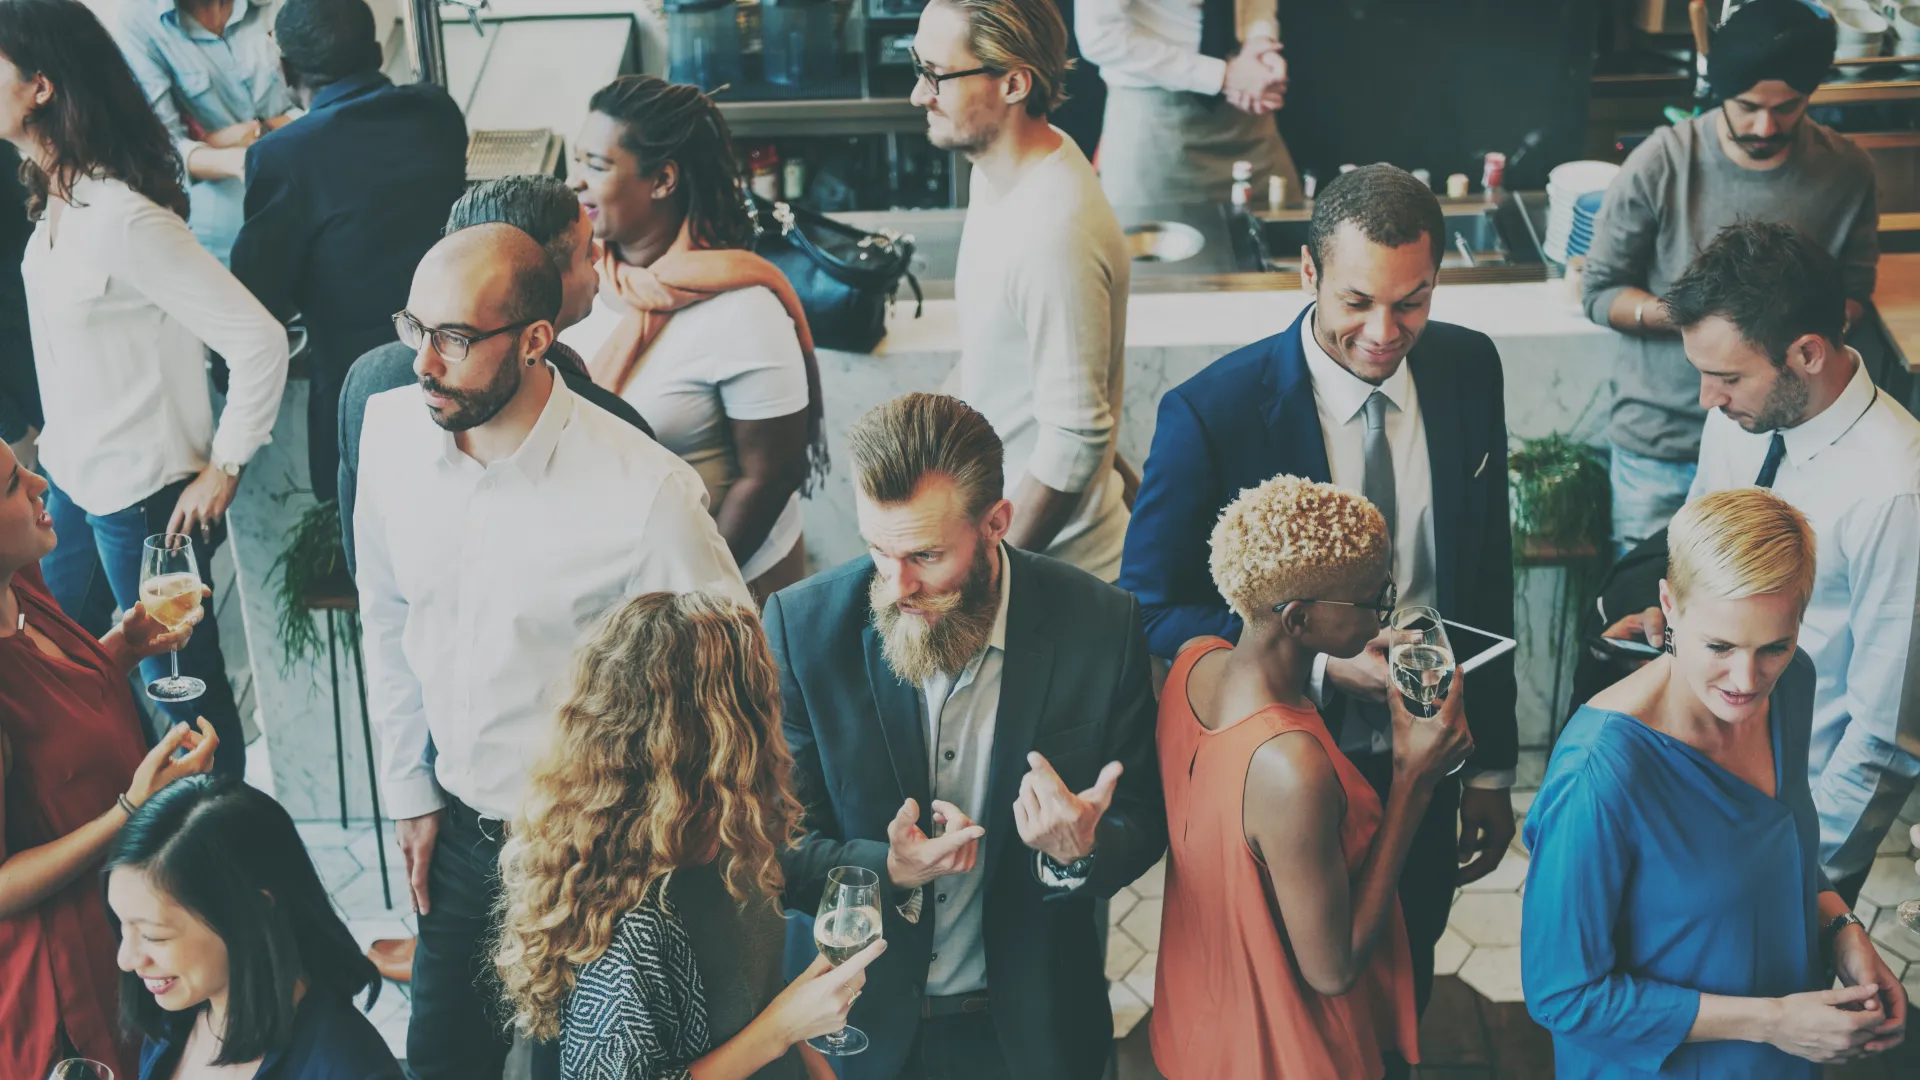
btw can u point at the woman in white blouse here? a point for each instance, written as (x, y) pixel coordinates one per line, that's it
(703, 337)
(123, 304)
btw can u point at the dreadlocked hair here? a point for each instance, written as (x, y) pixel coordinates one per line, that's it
(661, 122)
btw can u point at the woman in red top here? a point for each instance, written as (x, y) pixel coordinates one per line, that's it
(1304, 973)
(72, 759)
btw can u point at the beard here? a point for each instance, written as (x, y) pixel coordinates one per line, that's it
(956, 139)
(917, 648)
(1784, 406)
(471, 408)
(1763, 149)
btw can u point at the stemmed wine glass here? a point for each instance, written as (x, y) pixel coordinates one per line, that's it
(79, 1069)
(170, 590)
(1421, 660)
(1910, 914)
(848, 921)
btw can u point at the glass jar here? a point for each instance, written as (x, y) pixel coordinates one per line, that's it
(797, 41)
(703, 43)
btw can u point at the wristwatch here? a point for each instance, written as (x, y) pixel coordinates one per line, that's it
(231, 468)
(1839, 923)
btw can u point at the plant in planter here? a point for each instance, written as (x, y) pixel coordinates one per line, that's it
(312, 564)
(1558, 495)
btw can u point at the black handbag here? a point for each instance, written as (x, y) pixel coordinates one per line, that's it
(846, 277)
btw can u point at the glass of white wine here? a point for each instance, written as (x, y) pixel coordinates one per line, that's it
(1910, 914)
(848, 921)
(170, 590)
(79, 1069)
(1421, 661)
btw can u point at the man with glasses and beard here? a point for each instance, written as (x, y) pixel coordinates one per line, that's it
(500, 515)
(1793, 409)
(1755, 157)
(974, 724)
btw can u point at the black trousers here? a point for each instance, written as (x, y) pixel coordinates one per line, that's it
(962, 1047)
(1426, 881)
(458, 1030)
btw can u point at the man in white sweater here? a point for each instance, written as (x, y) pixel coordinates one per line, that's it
(1042, 280)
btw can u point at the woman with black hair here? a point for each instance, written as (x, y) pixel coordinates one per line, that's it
(123, 304)
(706, 339)
(233, 954)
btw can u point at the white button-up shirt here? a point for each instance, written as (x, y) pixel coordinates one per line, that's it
(477, 583)
(1156, 43)
(1854, 471)
(120, 304)
(961, 713)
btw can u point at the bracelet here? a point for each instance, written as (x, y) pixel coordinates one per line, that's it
(126, 804)
(1640, 316)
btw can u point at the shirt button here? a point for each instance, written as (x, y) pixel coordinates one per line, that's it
(949, 755)
(935, 956)
(942, 898)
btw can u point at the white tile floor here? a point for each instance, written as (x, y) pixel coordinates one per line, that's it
(1481, 944)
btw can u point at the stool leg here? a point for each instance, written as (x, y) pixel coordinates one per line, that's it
(339, 737)
(373, 780)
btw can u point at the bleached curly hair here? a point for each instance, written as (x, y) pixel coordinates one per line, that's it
(1294, 538)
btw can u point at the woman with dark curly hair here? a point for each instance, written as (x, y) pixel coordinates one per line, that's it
(706, 339)
(642, 923)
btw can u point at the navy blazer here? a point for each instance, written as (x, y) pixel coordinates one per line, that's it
(1250, 416)
(341, 204)
(332, 1040)
(1075, 686)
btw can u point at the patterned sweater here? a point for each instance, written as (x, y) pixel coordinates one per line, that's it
(639, 1011)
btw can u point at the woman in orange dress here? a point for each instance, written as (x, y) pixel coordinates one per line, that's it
(1305, 972)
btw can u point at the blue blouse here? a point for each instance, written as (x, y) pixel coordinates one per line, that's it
(332, 1040)
(1658, 875)
(216, 79)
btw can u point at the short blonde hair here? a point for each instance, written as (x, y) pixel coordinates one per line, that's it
(1738, 543)
(1009, 34)
(1293, 538)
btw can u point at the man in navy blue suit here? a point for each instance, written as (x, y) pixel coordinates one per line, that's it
(342, 203)
(1361, 391)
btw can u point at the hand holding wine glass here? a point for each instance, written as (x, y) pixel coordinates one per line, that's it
(1420, 661)
(1429, 748)
(847, 924)
(816, 1003)
(170, 593)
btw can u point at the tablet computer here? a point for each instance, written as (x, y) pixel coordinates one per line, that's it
(1477, 646)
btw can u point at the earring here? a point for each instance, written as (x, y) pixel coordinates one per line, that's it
(1666, 641)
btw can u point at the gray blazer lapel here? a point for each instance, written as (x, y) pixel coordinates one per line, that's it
(898, 706)
(1025, 674)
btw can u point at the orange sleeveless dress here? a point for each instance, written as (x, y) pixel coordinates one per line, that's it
(1228, 1000)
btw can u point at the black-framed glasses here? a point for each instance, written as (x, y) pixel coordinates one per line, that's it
(933, 79)
(1382, 606)
(452, 345)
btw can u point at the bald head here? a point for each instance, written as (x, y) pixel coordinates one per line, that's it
(505, 275)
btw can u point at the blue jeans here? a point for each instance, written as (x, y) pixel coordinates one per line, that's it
(1647, 492)
(96, 567)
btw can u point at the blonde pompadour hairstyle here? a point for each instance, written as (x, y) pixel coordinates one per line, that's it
(1738, 543)
(1009, 34)
(1292, 538)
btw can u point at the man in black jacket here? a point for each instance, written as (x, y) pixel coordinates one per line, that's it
(342, 203)
(1365, 392)
(975, 725)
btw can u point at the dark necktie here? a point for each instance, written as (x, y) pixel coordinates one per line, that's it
(1770, 468)
(1219, 37)
(1377, 483)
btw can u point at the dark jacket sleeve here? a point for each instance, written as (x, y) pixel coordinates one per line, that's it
(353, 410)
(1132, 835)
(820, 849)
(1491, 690)
(1167, 546)
(271, 248)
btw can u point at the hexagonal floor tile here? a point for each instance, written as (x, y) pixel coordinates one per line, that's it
(1450, 952)
(1120, 906)
(1128, 1010)
(1152, 884)
(1506, 878)
(1495, 973)
(1896, 941)
(1140, 979)
(1891, 881)
(1487, 919)
(1143, 922)
(1122, 953)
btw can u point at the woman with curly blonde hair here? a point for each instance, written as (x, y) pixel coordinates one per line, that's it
(643, 927)
(1304, 972)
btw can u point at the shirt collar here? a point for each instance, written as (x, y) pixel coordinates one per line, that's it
(536, 450)
(1344, 392)
(1806, 440)
(358, 82)
(170, 13)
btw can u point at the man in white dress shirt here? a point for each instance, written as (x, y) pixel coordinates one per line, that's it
(1042, 277)
(499, 517)
(1761, 312)
(1192, 86)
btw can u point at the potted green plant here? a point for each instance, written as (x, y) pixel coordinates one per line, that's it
(1558, 498)
(312, 566)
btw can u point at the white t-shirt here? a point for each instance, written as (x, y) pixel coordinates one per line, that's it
(734, 357)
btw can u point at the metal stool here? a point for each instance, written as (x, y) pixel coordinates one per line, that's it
(1570, 561)
(341, 604)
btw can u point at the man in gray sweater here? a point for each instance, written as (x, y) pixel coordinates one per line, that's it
(1755, 157)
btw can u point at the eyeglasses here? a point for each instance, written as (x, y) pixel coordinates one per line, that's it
(933, 79)
(1381, 607)
(452, 345)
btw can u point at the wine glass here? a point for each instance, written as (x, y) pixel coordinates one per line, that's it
(1910, 914)
(79, 1069)
(170, 590)
(1421, 660)
(849, 920)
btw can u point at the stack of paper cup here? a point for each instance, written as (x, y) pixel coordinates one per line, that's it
(1566, 184)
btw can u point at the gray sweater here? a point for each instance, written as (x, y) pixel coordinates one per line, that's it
(1675, 193)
